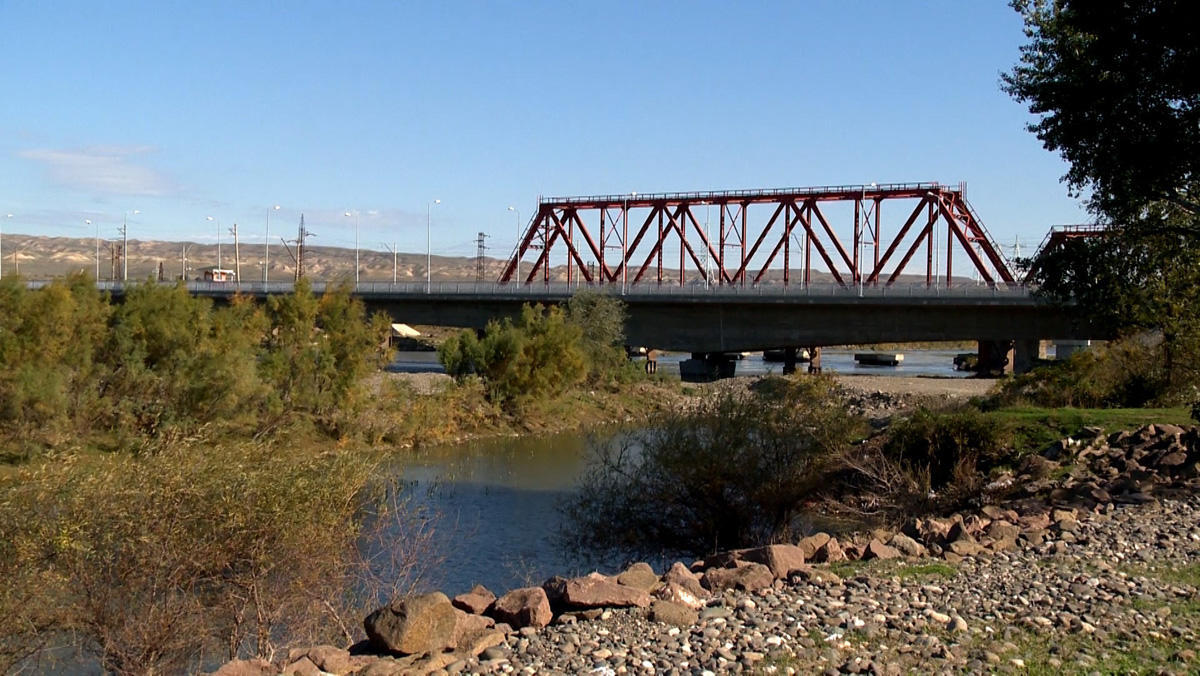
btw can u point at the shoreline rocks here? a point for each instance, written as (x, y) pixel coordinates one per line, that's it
(1069, 554)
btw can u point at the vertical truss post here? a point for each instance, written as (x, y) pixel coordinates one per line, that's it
(745, 207)
(929, 234)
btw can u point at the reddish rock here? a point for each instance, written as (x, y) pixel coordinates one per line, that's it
(301, 667)
(525, 607)
(673, 613)
(907, 545)
(254, 667)
(877, 550)
(676, 594)
(467, 623)
(331, 659)
(475, 601)
(679, 575)
(639, 576)
(1002, 530)
(783, 560)
(750, 577)
(809, 545)
(413, 625)
(830, 552)
(601, 592)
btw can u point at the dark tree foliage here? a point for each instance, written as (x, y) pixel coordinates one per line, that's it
(1116, 92)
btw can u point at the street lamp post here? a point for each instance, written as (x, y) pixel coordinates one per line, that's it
(428, 250)
(517, 251)
(356, 266)
(395, 256)
(266, 261)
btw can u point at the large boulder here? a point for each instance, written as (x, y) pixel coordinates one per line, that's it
(875, 549)
(783, 560)
(830, 552)
(673, 613)
(475, 601)
(809, 545)
(681, 576)
(750, 577)
(525, 607)
(413, 625)
(907, 546)
(680, 596)
(331, 659)
(639, 576)
(596, 591)
(252, 667)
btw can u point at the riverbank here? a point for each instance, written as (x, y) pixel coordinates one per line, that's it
(1090, 562)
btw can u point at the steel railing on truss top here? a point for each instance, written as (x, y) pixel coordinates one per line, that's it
(554, 291)
(1068, 231)
(718, 195)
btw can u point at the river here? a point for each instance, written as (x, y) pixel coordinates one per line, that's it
(496, 500)
(496, 508)
(916, 363)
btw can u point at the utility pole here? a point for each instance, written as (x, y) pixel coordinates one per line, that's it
(184, 275)
(298, 256)
(267, 244)
(237, 257)
(392, 247)
(480, 248)
(124, 245)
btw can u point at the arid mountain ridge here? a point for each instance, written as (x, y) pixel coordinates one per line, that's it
(38, 257)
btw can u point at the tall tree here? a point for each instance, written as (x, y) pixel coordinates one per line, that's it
(1115, 88)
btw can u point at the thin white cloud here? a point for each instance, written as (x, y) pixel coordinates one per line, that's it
(109, 170)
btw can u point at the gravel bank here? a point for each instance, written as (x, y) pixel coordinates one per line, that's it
(1119, 594)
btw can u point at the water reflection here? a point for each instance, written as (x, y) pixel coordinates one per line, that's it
(497, 508)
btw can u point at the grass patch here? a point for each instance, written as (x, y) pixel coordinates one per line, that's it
(1035, 427)
(1118, 656)
(927, 570)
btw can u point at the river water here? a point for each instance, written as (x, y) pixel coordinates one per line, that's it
(496, 500)
(495, 503)
(916, 363)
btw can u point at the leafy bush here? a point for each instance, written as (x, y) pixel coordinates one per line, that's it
(734, 471)
(537, 356)
(163, 364)
(160, 564)
(944, 445)
(1125, 373)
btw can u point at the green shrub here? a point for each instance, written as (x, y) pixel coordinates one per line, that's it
(733, 471)
(539, 355)
(166, 563)
(1126, 373)
(944, 445)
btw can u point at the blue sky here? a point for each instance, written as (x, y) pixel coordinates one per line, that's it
(184, 110)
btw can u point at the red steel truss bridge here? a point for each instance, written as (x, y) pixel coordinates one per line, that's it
(760, 235)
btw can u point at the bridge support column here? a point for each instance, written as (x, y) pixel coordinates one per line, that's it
(789, 361)
(1026, 354)
(814, 360)
(706, 367)
(995, 357)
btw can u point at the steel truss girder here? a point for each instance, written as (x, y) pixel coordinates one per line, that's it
(586, 229)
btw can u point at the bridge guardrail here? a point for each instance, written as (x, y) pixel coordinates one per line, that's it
(534, 291)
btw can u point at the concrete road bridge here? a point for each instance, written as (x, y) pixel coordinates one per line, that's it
(727, 319)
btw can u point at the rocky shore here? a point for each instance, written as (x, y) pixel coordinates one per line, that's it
(1091, 564)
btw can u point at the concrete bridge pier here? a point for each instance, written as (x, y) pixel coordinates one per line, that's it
(789, 361)
(1009, 356)
(995, 356)
(707, 367)
(814, 360)
(1026, 354)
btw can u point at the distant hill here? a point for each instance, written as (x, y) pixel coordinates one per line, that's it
(35, 257)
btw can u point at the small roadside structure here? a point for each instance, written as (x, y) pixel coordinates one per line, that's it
(215, 274)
